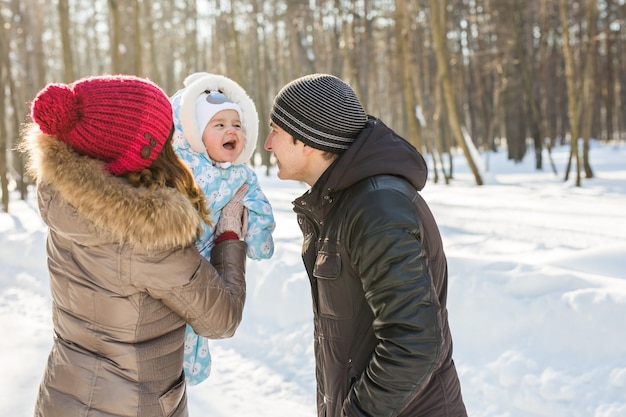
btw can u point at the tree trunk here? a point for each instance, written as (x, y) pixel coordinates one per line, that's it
(5, 65)
(439, 39)
(418, 81)
(499, 87)
(572, 99)
(260, 82)
(138, 39)
(403, 42)
(545, 79)
(154, 71)
(114, 33)
(66, 42)
(531, 101)
(348, 66)
(588, 90)
(236, 70)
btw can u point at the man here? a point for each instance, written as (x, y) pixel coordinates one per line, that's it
(373, 254)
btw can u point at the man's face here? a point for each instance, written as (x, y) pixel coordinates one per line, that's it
(291, 159)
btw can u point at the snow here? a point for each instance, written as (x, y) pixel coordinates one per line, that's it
(537, 299)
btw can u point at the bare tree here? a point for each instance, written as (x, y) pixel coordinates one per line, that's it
(544, 75)
(438, 24)
(587, 84)
(261, 83)
(404, 53)
(64, 28)
(5, 66)
(115, 35)
(137, 38)
(527, 59)
(154, 69)
(576, 103)
(235, 68)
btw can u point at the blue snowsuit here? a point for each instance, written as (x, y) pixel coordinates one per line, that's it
(219, 182)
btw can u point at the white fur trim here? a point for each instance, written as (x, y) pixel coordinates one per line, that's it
(198, 83)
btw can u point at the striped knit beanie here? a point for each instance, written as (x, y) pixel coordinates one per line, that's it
(320, 110)
(122, 120)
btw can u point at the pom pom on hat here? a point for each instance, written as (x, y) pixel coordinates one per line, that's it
(56, 112)
(122, 120)
(321, 110)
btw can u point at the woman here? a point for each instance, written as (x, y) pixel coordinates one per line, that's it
(123, 212)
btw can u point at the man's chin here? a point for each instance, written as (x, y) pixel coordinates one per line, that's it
(281, 175)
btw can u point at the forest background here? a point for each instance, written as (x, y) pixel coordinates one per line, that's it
(470, 75)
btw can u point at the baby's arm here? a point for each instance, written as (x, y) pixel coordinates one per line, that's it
(261, 222)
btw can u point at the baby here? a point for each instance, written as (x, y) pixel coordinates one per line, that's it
(216, 127)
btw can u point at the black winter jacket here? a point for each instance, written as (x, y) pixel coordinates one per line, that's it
(378, 276)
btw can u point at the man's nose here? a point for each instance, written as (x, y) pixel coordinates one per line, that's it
(268, 143)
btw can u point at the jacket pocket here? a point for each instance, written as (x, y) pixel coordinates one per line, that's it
(172, 399)
(333, 295)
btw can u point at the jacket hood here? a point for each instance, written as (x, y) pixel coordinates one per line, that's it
(151, 218)
(198, 83)
(377, 150)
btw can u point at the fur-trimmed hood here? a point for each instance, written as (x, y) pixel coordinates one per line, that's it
(184, 108)
(155, 219)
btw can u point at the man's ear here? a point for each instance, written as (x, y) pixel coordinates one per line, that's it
(307, 150)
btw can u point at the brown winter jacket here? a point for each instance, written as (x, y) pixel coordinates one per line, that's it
(125, 278)
(379, 277)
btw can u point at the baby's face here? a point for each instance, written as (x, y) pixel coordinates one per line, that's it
(223, 136)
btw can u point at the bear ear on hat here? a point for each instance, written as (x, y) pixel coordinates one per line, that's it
(193, 77)
(56, 109)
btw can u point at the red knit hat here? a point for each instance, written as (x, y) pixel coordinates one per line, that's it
(120, 119)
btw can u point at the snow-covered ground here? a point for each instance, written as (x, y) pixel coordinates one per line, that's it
(537, 300)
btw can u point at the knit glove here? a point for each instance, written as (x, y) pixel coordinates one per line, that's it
(234, 216)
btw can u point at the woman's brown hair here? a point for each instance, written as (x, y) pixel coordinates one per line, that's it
(168, 170)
